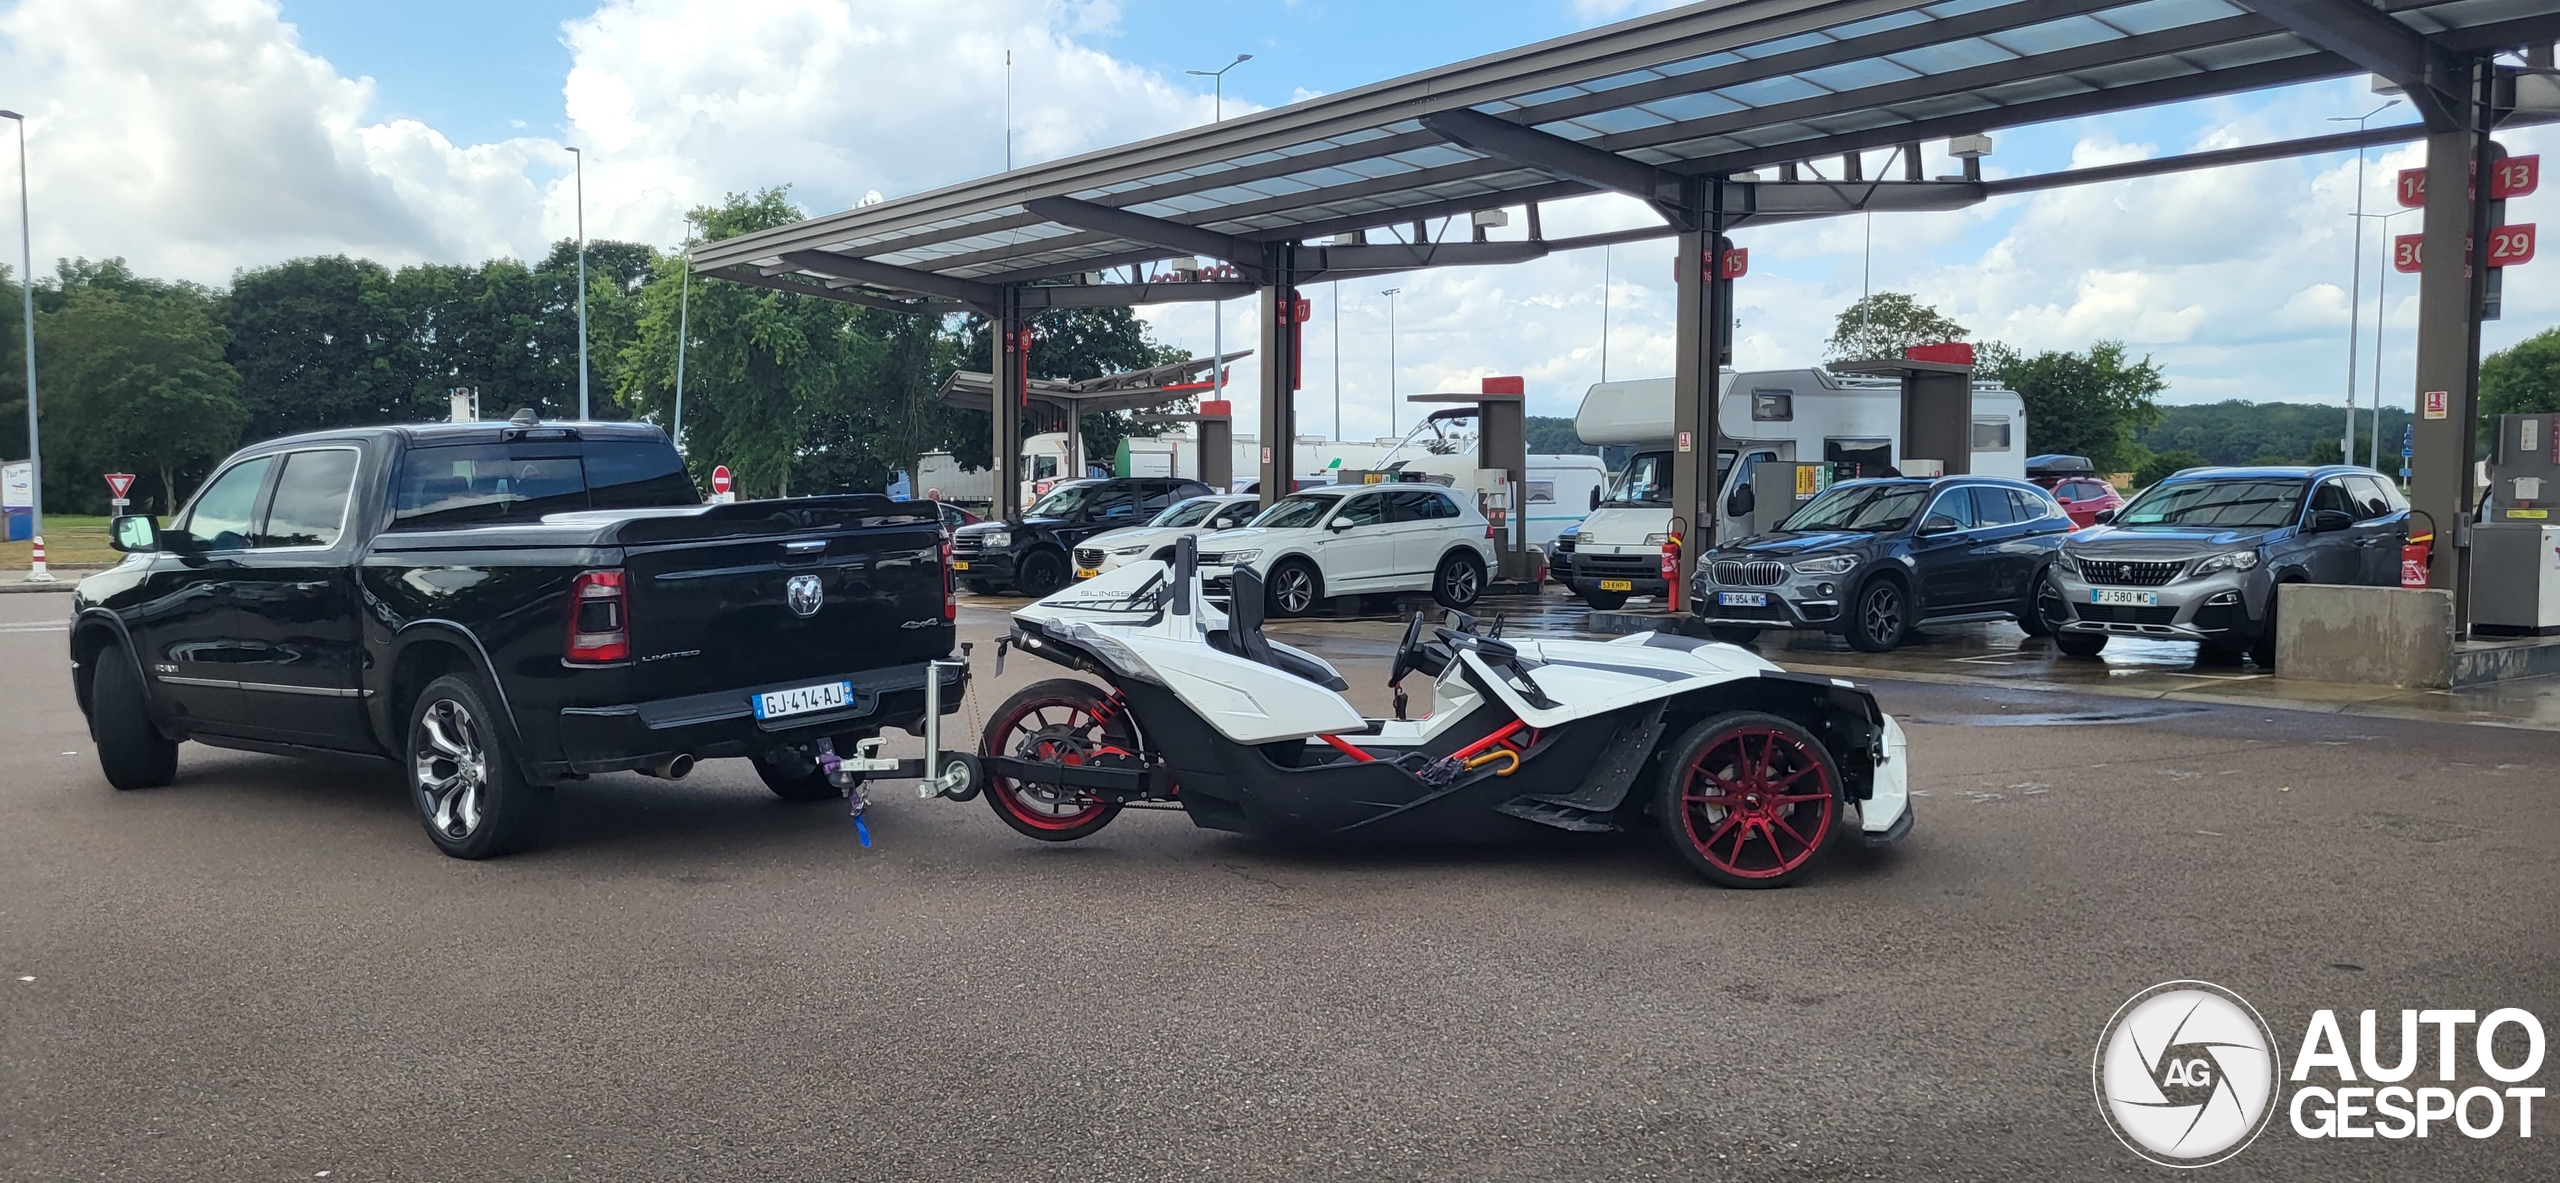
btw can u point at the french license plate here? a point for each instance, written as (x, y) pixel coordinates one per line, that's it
(2133, 599)
(1086, 572)
(959, 565)
(826, 696)
(1624, 585)
(1743, 599)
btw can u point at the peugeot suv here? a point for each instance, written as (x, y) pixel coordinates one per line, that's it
(1873, 560)
(2198, 556)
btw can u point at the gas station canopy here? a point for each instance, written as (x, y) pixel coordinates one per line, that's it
(1713, 89)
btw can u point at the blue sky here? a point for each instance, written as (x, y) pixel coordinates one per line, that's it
(200, 137)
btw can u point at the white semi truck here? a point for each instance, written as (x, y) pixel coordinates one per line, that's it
(1764, 416)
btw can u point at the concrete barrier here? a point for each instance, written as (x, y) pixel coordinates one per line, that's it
(2372, 636)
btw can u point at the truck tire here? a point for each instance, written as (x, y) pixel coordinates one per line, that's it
(469, 794)
(1748, 799)
(1459, 581)
(799, 789)
(1880, 616)
(1295, 588)
(1601, 601)
(1042, 572)
(131, 751)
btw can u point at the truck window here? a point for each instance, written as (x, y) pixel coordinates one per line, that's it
(1773, 406)
(1647, 480)
(1870, 456)
(1542, 492)
(1991, 434)
(220, 517)
(458, 485)
(1043, 467)
(310, 503)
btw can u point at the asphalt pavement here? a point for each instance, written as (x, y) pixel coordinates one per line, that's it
(265, 971)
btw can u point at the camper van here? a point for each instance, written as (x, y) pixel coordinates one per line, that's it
(1764, 416)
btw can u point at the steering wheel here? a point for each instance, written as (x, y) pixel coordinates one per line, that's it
(1408, 653)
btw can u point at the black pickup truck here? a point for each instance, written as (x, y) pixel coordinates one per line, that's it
(499, 607)
(1031, 556)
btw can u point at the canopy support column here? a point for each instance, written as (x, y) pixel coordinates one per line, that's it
(1280, 338)
(1702, 332)
(1012, 363)
(2450, 290)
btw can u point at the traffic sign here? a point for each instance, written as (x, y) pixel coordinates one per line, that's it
(119, 484)
(2515, 176)
(720, 479)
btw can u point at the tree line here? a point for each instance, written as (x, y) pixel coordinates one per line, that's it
(164, 378)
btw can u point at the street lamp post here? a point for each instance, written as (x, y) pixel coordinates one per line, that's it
(2381, 311)
(27, 290)
(582, 280)
(1390, 294)
(684, 307)
(2355, 289)
(1218, 309)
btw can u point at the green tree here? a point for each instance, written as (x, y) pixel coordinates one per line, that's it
(320, 342)
(1886, 323)
(2161, 465)
(134, 380)
(1073, 344)
(2087, 404)
(2522, 379)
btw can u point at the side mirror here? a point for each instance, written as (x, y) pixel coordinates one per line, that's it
(1741, 503)
(1338, 525)
(1595, 496)
(134, 533)
(2325, 521)
(1937, 526)
(2104, 516)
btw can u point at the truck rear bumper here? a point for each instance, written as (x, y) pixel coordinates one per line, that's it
(723, 724)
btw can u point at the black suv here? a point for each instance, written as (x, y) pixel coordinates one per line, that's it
(1872, 560)
(1030, 556)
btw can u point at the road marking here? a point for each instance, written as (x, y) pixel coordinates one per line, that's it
(34, 626)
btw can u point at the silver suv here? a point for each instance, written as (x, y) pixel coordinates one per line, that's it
(2197, 557)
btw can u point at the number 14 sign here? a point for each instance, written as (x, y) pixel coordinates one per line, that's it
(2515, 176)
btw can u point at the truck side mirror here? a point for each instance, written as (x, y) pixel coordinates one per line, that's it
(1595, 497)
(134, 533)
(1741, 502)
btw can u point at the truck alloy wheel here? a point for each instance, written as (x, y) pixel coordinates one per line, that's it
(469, 795)
(1749, 799)
(1062, 721)
(451, 767)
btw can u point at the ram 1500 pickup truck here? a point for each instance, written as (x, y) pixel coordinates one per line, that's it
(499, 607)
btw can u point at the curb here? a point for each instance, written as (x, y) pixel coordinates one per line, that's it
(2203, 697)
(23, 588)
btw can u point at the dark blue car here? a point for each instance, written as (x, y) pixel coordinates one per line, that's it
(1872, 560)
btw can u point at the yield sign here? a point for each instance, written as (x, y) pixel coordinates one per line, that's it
(118, 484)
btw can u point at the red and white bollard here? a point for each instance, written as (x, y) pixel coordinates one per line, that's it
(35, 563)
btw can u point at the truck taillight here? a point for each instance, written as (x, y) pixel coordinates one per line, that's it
(599, 619)
(950, 607)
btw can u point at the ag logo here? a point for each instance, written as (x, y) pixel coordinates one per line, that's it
(805, 595)
(2186, 1074)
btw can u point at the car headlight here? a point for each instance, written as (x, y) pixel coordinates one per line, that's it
(1656, 539)
(2238, 560)
(2063, 562)
(1238, 558)
(996, 541)
(1828, 565)
(1129, 550)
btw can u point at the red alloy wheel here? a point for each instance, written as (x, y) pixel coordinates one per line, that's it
(1758, 802)
(1059, 722)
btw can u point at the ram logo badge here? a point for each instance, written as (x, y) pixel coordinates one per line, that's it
(805, 595)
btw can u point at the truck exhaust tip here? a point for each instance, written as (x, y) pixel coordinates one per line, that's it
(671, 768)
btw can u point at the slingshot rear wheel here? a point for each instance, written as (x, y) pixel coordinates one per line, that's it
(1064, 722)
(1749, 799)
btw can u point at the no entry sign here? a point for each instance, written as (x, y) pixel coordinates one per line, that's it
(119, 484)
(720, 479)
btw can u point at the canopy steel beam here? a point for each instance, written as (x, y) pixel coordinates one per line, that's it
(2361, 34)
(1115, 295)
(1555, 156)
(802, 287)
(883, 275)
(1120, 223)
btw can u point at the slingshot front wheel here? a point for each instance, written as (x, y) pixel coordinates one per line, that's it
(1748, 799)
(1064, 722)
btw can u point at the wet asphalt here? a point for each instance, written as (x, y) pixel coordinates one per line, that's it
(265, 972)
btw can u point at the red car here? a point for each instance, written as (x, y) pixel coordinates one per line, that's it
(2075, 483)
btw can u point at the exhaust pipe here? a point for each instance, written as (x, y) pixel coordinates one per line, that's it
(672, 768)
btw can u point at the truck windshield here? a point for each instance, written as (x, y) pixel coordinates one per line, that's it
(1187, 513)
(1298, 510)
(1875, 509)
(1063, 501)
(460, 485)
(1646, 481)
(2257, 504)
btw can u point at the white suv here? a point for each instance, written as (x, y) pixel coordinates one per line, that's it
(1357, 540)
(1199, 515)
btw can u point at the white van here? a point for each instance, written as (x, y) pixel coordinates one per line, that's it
(1770, 415)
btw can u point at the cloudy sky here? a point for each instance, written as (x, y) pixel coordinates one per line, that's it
(198, 137)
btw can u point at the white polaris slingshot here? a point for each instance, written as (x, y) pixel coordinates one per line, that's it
(1748, 770)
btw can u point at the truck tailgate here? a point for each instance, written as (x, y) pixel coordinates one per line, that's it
(762, 592)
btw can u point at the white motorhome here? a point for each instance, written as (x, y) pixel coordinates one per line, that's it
(1763, 416)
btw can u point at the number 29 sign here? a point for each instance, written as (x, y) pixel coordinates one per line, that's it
(2509, 246)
